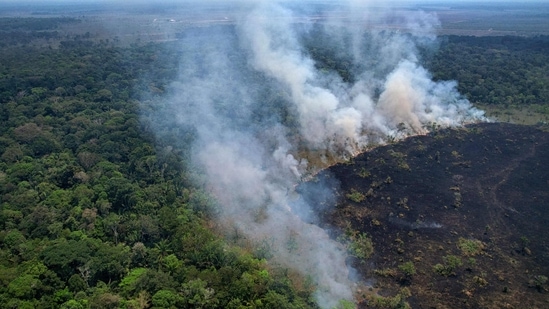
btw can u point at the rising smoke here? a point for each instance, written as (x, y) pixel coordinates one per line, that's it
(260, 104)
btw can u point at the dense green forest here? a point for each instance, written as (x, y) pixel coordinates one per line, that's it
(17, 30)
(500, 70)
(95, 211)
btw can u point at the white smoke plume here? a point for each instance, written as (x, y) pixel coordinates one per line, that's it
(247, 90)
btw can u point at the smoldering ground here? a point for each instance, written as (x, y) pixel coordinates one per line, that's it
(264, 94)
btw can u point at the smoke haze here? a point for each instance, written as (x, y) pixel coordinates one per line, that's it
(261, 105)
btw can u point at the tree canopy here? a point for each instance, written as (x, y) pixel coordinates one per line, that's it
(95, 212)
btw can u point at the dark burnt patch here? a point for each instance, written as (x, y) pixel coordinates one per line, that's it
(479, 195)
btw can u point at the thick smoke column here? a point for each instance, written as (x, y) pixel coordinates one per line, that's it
(229, 75)
(341, 115)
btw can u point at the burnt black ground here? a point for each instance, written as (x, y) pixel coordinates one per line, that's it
(487, 182)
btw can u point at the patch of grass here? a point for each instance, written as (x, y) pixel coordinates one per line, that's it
(356, 196)
(529, 114)
(470, 247)
(408, 268)
(395, 302)
(421, 148)
(480, 281)
(403, 165)
(361, 246)
(451, 262)
(396, 154)
(364, 173)
(400, 159)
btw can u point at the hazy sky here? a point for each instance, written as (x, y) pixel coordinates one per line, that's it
(201, 1)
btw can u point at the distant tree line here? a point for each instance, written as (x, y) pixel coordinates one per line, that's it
(34, 23)
(495, 70)
(22, 31)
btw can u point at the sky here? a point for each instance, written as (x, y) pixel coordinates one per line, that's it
(117, 4)
(202, 1)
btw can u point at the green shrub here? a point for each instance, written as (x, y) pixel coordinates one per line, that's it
(361, 246)
(356, 196)
(451, 262)
(408, 268)
(470, 247)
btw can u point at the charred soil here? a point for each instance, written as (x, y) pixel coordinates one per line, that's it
(460, 217)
